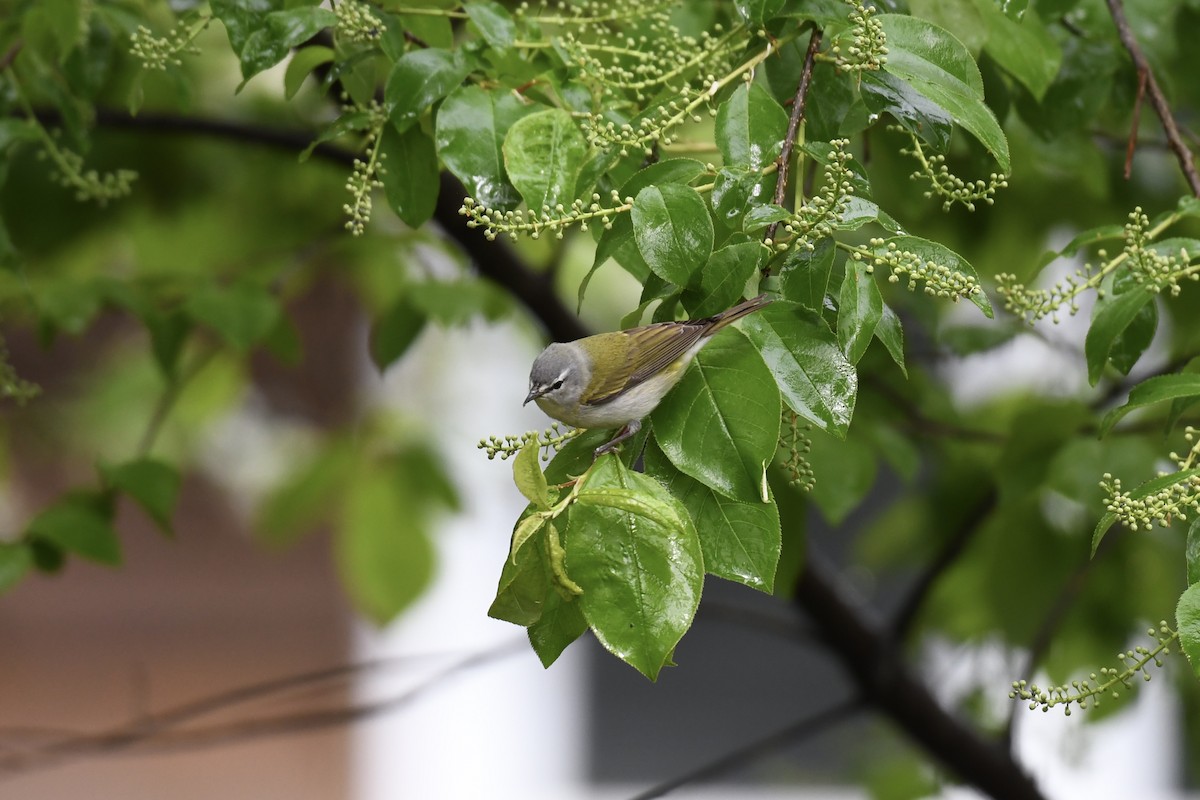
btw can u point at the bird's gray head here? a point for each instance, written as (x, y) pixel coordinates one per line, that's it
(559, 374)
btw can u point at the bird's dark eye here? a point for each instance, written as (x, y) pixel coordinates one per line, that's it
(556, 385)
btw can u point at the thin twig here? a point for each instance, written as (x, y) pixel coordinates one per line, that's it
(796, 732)
(1157, 99)
(167, 400)
(10, 55)
(161, 733)
(1131, 146)
(789, 140)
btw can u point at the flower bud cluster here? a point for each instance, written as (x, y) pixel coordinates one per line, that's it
(794, 444)
(1153, 269)
(366, 175)
(161, 52)
(1175, 501)
(940, 280)
(655, 126)
(948, 186)
(89, 184)
(533, 223)
(821, 214)
(868, 47)
(550, 440)
(356, 22)
(1109, 681)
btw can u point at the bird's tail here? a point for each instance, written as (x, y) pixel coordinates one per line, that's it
(735, 313)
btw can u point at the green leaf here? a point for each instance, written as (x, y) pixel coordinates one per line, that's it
(274, 36)
(152, 483)
(762, 216)
(736, 192)
(1140, 493)
(79, 524)
(1187, 622)
(241, 18)
(301, 64)
(814, 377)
(420, 78)
(1150, 391)
(860, 308)
(740, 541)
(673, 230)
(844, 472)
(528, 475)
(394, 331)
(750, 127)
(1135, 339)
(16, 559)
(543, 154)
(383, 551)
(68, 22)
(890, 332)
(883, 93)
(1024, 48)
(494, 22)
(1111, 320)
(641, 579)
(524, 587)
(410, 174)
(1192, 552)
(804, 276)
(560, 623)
(720, 425)
(307, 497)
(723, 279)
(242, 314)
(471, 126)
(940, 68)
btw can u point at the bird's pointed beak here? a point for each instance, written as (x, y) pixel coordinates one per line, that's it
(534, 394)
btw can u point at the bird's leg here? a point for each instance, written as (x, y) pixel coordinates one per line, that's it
(629, 430)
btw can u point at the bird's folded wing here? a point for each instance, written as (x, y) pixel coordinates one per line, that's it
(649, 350)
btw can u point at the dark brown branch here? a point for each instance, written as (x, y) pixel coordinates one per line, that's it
(165, 732)
(875, 664)
(1157, 99)
(789, 140)
(496, 261)
(792, 734)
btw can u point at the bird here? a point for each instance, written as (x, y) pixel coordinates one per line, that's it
(615, 379)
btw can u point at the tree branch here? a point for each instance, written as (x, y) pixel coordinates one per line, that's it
(796, 732)
(496, 261)
(789, 141)
(1157, 99)
(164, 732)
(873, 661)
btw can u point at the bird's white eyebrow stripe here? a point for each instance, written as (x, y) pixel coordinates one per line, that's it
(563, 375)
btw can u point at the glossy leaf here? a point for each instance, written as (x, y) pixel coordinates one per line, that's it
(493, 21)
(1112, 319)
(420, 78)
(1023, 47)
(1187, 622)
(153, 484)
(16, 559)
(410, 174)
(240, 18)
(804, 276)
(471, 126)
(561, 622)
(77, 524)
(241, 314)
(720, 425)
(273, 38)
(1129, 346)
(301, 64)
(750, 127)
(673, 231)
(524, 586)
(760, 217)
(737, 192)
(641, 579)
(860, 308)
(543, 154)
(741, 541)
(383, 550)
(394, 332)
(813, 375)
(940, 68)
(1153, 390)
(884, 93)
(724, 278)
(891, 334)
